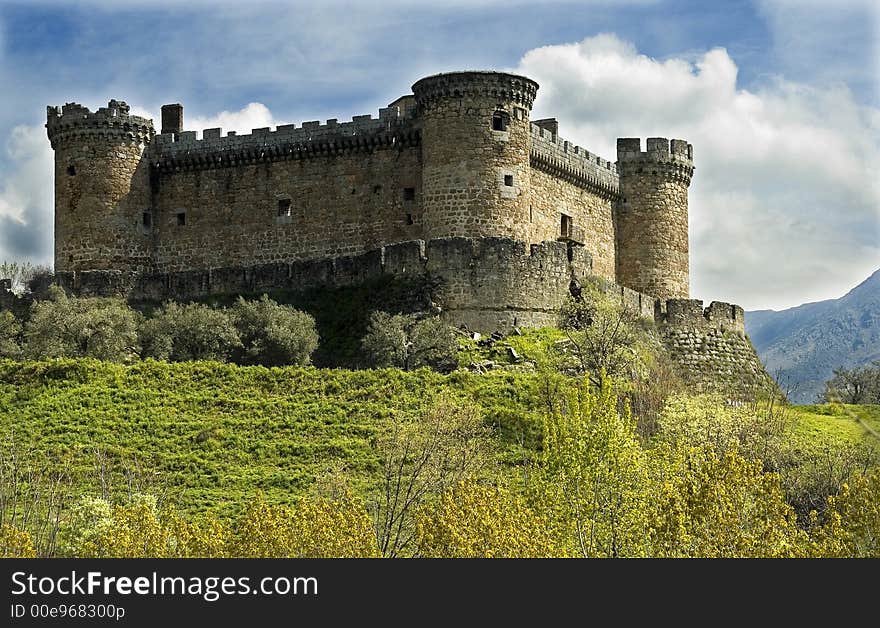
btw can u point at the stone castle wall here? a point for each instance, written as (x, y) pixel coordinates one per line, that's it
(710, 347)
(312, 192)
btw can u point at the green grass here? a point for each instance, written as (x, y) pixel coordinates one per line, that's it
(217, 432)
(829, 425)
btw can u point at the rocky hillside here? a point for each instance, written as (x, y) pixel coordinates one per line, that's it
(801, 346)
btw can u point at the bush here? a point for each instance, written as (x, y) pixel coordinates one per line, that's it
(69, 327)
(273, 334)
(193, 331)
(10, 335)
(410, 342)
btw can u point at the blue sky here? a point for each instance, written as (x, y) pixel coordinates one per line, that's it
(779, 97)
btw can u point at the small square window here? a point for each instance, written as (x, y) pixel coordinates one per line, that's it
(147, 219)
(565, 226)
(508, 180)
(409, 194)
(284, 207)
(181, 219)
(71, 170)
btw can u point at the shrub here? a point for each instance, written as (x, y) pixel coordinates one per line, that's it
(273, 334)
(410, 342)
(69, 327)
(10, 335)
(193, 331)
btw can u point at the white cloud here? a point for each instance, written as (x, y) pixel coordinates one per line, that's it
(254, 115)
(784, 208)
(26, 197)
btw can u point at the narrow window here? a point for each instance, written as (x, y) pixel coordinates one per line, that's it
(565, 226)
(284, 207)
(71, 170)
(500, 120)
(147, 219)
(409, 194)
(377, 189)
(530, 213)
(409, 219)
(508, 180)
(181, 219)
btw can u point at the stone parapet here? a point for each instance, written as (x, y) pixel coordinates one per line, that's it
(573, 163)
(76, 122)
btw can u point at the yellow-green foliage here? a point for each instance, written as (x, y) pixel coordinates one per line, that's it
(852, 521)
(313, 528)
(484, 521)
(15, 543)
(592, 479)
(711, 506)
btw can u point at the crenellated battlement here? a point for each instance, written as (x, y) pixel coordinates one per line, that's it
(493, 85)
(672, 159)
(572, 163)
(185, 150)
(74, 121)
(690, 314)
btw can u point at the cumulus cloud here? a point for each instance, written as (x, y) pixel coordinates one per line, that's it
(254, 115)
(26, 197)
(784, 203)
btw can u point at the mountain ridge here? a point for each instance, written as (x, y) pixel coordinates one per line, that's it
(801, 346)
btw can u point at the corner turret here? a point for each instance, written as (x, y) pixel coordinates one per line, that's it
(652, 216)
(102, 187)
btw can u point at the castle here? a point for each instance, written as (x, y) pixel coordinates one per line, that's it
(453, 182)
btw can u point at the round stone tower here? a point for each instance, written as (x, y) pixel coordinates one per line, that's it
(475, 153)
(652, 216)
(103, 219)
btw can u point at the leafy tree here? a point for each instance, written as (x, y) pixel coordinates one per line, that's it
(10, 335)
(606, 336)
(851, 526)
(273, 334)
(315, 527)
(193, 331)
(66, 326)
(860, 385)
(15, 543)
(422, 458)
(706, 505)
(592, 479)
(410, 342)
(22, 274)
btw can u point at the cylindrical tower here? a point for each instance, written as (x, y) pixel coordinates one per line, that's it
(652, 216)
(475, 153)
(103, 218)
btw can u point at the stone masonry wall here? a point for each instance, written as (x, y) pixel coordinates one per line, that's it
(592, 217)
(652, 216)
(711, 349)
(101, 187)
(297, 193)
(475, 178)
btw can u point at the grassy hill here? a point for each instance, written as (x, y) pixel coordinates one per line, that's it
(214, 432)
(208, 434)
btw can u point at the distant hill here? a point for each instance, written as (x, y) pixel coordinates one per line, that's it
(801, 346)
